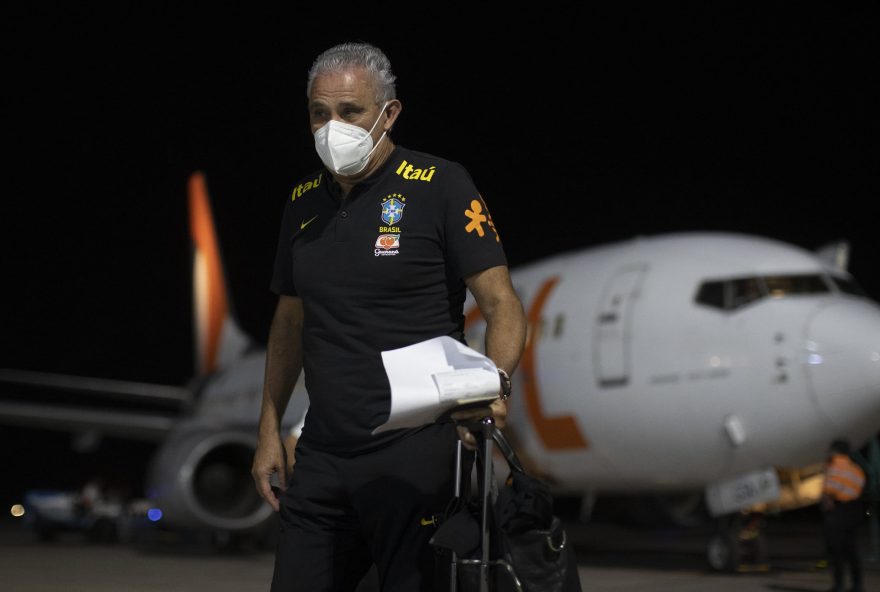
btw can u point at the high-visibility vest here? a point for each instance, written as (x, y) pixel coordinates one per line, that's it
(844, 479)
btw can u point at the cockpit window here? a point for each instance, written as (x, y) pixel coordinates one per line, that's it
(743, 291)
(711, 294)
(734, 293)
(784, 285)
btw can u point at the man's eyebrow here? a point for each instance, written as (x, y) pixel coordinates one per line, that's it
(341, 105)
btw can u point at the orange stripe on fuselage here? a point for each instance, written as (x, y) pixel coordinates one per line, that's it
(556, 433)
(472, 316)
(202, 232)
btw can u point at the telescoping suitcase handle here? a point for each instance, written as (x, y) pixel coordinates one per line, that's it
(484, 431)
(487, 434)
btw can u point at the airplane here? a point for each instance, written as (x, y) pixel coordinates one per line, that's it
(703, 365)
(700, 365)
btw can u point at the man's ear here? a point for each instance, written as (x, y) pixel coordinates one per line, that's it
(392, 109)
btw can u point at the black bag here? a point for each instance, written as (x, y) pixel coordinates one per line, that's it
(517, 544)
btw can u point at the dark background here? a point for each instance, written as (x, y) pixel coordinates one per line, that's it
(579, 127)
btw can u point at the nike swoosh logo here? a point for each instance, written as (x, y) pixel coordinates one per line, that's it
(426, 521)
(305, 223)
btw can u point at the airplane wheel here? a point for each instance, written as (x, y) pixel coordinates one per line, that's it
(758, 548)
(762, 553)
(723, 552)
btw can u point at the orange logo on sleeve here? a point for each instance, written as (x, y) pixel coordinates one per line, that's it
(477, 218)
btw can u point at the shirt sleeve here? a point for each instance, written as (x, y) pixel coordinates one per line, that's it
(282, 274)
(472, 240)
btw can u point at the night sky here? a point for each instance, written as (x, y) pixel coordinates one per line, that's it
(578, 128)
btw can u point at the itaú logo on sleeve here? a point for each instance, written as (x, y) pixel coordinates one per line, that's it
(387, 244)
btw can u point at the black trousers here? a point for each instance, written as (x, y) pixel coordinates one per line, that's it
(842, 524)
(340, 515)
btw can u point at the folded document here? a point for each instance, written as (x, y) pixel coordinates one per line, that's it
(433, 378)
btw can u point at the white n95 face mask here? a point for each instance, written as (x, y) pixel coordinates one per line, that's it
(345, 148)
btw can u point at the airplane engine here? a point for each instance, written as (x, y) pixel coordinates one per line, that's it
(201, 479)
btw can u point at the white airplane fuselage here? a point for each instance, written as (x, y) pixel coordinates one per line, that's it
(628, 383)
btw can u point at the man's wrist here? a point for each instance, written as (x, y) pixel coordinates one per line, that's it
(506, 386)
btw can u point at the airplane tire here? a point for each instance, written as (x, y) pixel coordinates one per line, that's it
(723, 552)
(758, 548)
(762, 554)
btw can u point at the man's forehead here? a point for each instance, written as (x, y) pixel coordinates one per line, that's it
(352, 85)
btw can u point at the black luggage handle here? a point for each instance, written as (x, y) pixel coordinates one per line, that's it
(485, 427)
(507, 450)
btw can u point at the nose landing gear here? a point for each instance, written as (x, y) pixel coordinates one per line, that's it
(740, 544)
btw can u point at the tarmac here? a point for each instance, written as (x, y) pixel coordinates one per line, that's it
(611, 558)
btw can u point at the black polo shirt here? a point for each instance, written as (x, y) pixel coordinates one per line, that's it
(381, 269)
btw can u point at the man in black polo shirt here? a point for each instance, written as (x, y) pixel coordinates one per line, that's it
(376, 252)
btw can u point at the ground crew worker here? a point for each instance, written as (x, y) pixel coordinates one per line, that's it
(843, 513)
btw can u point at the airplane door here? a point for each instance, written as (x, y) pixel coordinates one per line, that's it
(612, 328)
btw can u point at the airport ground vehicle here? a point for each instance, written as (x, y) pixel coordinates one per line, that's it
(50, 512)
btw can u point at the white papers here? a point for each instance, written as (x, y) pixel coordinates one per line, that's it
(431, 378)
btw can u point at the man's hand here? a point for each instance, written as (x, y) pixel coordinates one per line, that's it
(497, 411)
(269, 458)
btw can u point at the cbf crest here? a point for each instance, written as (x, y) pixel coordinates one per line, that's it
(392, 208)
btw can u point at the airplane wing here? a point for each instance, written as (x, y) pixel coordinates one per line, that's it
(158, 393)
(69, 418)
(77, 403)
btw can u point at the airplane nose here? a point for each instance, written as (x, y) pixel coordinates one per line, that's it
(843, 366)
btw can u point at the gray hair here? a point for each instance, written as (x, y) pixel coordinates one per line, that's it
(356, 55)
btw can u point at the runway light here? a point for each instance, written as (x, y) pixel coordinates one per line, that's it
(154, 514)
(17, 511)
